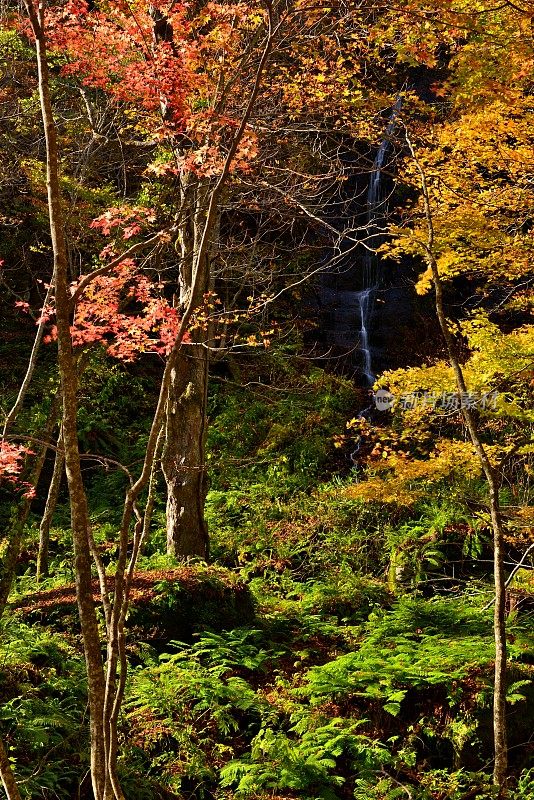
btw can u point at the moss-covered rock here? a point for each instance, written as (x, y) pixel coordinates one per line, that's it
(165, 604)
(189, 600)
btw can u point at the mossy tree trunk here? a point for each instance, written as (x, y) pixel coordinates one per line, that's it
(184, 456)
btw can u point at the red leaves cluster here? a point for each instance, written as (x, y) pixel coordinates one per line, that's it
(126, 313)
(132, 219)
(171, 84)
(11, 456)
(11, 464)
(114, 51)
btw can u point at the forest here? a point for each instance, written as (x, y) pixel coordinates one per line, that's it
(267, 407)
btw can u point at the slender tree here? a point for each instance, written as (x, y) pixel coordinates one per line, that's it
(492, 480)
(69, 388)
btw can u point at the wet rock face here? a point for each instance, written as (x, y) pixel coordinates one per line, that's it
(348, 318)
(369, 317)
(399, 327)
(352, 294)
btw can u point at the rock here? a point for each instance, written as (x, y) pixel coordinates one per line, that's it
(170, 604)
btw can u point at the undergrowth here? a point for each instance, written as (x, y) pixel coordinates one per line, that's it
(351, 658)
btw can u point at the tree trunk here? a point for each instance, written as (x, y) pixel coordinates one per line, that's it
(199, 211)
(184, 455)
(13, 413)
(50, 507)
(184, 458)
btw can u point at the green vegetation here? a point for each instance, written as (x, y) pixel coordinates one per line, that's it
(299, 670)
(267, 446)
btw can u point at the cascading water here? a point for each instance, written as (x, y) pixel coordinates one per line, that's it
(347, 312)
(376, 212)
(364, 304)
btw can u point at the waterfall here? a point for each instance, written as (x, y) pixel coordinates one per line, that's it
(374, 197)
(371, 263)
(364, 304)
(348, 312)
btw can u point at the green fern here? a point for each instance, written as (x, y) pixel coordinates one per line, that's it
(306, 761)
(417, 644)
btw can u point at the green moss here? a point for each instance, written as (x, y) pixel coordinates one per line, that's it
(193, 599)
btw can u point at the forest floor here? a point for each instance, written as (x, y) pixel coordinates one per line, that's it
(302, 662)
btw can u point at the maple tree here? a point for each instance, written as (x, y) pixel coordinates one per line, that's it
(171, 82)
(192, 120)
(106, 688)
